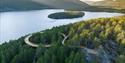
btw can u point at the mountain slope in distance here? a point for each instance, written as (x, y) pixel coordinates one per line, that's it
(18, 5)
(119, 4)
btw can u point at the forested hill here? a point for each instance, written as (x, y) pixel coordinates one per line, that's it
(111, 3)
(106, 36)
(24, 5)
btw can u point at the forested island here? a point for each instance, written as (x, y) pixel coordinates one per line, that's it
(106, 36)
(66, 15)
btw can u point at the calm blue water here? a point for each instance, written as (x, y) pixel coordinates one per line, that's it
(16, 24)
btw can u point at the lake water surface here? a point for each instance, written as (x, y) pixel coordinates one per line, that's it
(16, 24)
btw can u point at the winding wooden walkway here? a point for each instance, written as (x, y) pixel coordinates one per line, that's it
(28, 42)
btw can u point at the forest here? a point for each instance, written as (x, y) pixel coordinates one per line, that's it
(66, 15)
(104, 35)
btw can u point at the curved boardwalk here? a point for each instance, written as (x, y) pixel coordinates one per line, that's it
(26, 40)
(92, 51)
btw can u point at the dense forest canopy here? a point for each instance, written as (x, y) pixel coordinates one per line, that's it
(106, 32)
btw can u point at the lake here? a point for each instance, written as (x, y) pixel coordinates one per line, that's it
(16, 24)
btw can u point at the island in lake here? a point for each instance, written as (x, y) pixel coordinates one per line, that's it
(66, 15)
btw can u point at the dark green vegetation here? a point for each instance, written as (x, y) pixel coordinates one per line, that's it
(23, 5)
(106, 32)
(66, 15)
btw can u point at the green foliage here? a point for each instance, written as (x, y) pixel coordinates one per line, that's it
(120, 59)
(26, 55)
(90, 34)
(66, 15)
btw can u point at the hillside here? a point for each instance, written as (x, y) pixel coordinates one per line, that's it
(21, 5)
(118, 4)
(64, 4)
(24, 5)
(18, 5)
(105, 36)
